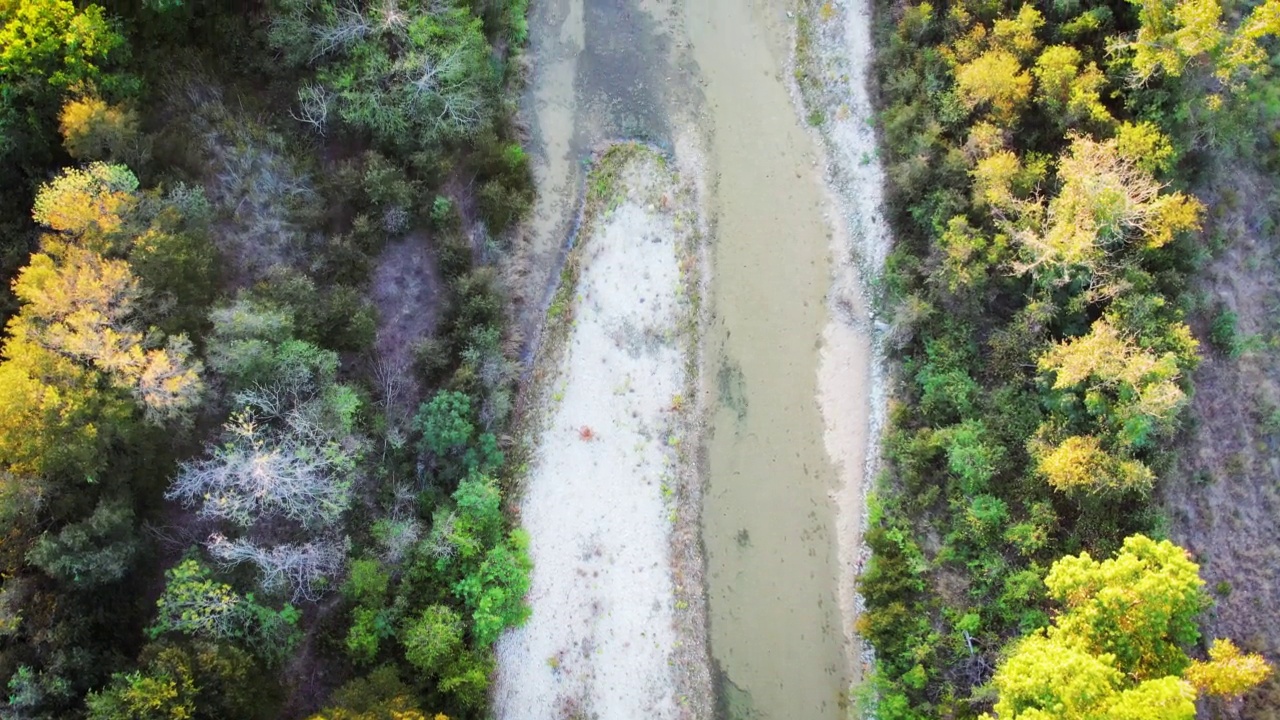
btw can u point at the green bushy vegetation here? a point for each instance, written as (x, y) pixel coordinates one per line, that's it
(1038, 159)
(214, 483)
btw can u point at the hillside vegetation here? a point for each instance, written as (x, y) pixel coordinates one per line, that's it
(235, 481)
(1043, 163)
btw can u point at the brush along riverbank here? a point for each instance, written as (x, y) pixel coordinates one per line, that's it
(610, 495)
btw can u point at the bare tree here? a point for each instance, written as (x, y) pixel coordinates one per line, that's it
(443, 81)
(169, 384)
(314, 102)
(260, 474)
(349, 26)
(399, 532)
(389, 16)
(305, 569)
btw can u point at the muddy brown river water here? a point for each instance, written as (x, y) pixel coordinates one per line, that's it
(715, 70)
(769, 524)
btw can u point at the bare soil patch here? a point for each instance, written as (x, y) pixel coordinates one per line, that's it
(408, 292)
(833, 53)
(1223, 498)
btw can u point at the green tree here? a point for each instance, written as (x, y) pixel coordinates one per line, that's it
(446, 423)
(196, 605)
(380, 695)
(494, 592)
(432, 639)
(97, 550)
(141, 696)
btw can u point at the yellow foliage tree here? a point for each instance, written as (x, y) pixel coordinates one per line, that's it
(1116, 651)
(997, 80)
(93, 130)
(83, 306)
(1172, 33)
(1145, 146)
(1081, 463)
(1106, 201)
(78, 334)
(397, 708)
(1017, 34)
(93, 200)
(1141, 386)
(1229, 673)
(1244, 55)
(968, 254)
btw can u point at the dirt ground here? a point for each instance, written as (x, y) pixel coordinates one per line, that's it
(408, 292)
(1223, 500)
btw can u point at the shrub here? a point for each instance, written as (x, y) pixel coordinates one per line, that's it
(433, 639)
(1223, 332)
(366, 582)
(494, 592)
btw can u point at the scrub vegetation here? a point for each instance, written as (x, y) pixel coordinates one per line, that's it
(1044, 164)
(232, 484)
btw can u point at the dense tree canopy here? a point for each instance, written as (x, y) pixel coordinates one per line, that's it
(190, 397)
(1039, 163)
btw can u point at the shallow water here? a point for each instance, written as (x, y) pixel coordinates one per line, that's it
(601, 72)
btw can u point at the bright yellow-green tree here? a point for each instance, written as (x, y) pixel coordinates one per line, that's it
(997, 81)
(1069, 88)
(1117, 649)
(1174, 35)
(49, 50)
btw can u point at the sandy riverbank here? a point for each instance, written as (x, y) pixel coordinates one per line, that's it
(609, 492)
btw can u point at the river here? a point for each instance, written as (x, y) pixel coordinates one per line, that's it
(777, 510)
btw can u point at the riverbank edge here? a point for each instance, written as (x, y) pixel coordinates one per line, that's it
(824, 74)
(691, 653)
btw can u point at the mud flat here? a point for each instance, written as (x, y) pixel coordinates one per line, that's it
(610, 495)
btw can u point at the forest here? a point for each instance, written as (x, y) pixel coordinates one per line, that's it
(239, 477)
(1044, 164)
(259, 386)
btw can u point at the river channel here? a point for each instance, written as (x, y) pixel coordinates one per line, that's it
(715, 70)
